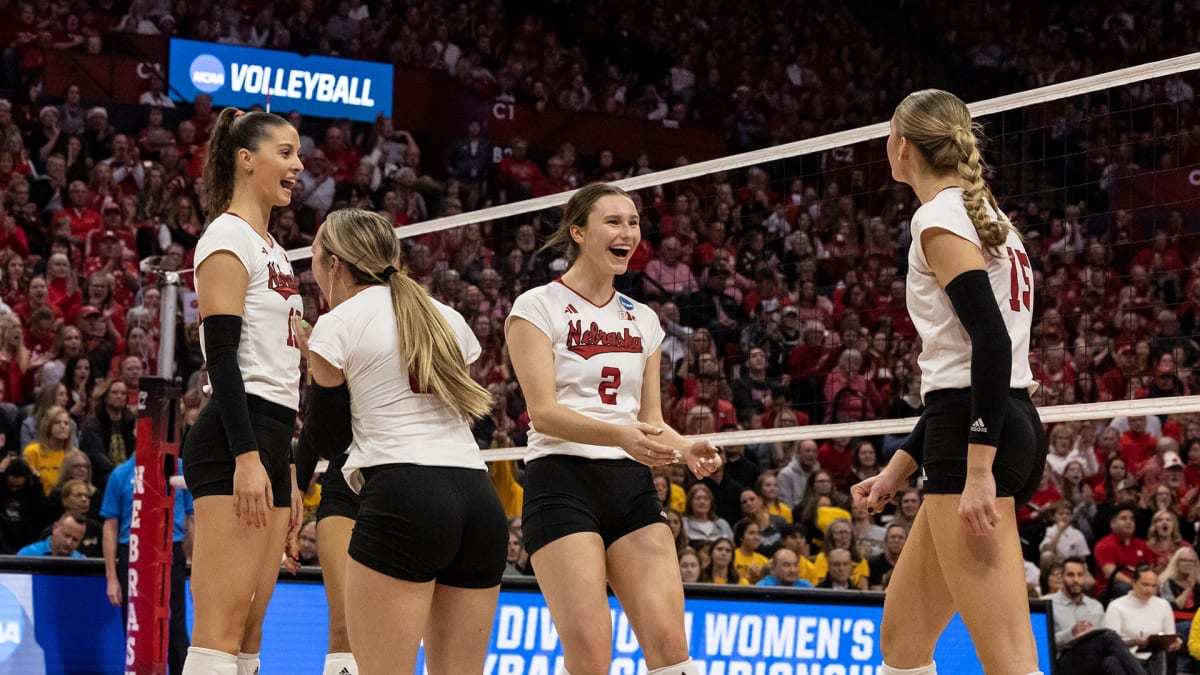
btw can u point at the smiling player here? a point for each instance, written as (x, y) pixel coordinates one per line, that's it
(587, 359)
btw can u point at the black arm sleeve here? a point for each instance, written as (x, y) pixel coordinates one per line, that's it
(222, 332)
(326, 433)
(991, 353)
(914, 445)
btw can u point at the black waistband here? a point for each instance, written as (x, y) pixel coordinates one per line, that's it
(261, 406)
(939, 394)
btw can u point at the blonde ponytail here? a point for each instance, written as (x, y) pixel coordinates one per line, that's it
(429, 347)
(432, 355)
(939, 125)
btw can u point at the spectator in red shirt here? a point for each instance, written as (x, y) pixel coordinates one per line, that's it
(1047, 494)
(850, 396)
(714, 240)
(14, 278)
(11, 236)
(554, 181)
(83, 218)
(517, 173)
(706, 395)
(837, 460)
(40, 333)
(128, 173)
(343, 158)
(64, 287)
(1137, 446)
(202, 117)
(191, 152)
(1119, 553)
(99, 294)
(36, 299)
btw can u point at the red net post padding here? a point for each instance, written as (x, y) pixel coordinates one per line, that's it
(151, 529)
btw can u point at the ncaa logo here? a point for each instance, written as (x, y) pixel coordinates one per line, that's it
(626, 303)
(208, 73)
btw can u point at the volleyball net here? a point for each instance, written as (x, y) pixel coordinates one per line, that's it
(799, 251)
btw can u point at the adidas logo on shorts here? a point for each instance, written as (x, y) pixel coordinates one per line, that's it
(979, 427)
(344, 671)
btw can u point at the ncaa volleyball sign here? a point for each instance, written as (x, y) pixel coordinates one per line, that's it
(313, 85)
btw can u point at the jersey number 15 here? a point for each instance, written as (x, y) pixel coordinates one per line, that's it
(1022, 287)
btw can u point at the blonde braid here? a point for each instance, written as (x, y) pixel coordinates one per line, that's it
(992, 232)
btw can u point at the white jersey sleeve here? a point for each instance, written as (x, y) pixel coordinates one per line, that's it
(328, 340)
(268, 352)
(600, 356)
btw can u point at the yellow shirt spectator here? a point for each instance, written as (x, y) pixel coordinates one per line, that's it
(54, 440)
(744, 562)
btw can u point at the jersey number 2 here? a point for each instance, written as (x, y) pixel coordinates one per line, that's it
(1019, 259)
(610, 379)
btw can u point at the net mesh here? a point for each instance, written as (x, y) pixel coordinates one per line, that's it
(796, 256)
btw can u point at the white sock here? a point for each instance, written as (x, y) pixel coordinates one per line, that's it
(340, 663)
(201, 661)
(248, 664)
(685, 668)
(930, 669)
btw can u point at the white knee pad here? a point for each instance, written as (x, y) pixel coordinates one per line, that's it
(930, 669)
(340, 663)
(248, 664)
(201, 661)
(686, 668)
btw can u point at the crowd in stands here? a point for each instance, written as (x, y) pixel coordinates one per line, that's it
(781, 287)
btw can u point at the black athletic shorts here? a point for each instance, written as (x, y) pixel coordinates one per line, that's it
(337, 499)
(565, 495)
(208, 464)
(1020, 452)
(425, 523)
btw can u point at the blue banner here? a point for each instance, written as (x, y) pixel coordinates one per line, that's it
(313, 85)
(59, 624)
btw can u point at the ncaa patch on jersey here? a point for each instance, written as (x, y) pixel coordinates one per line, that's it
(625, 303)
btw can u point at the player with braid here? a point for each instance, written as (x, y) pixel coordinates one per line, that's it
(980, 441)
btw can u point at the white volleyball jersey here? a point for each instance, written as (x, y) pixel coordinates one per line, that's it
(392, 423)
(946, 348)
(268, 354)
(600, 354)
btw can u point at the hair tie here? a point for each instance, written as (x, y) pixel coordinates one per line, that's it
(388, 272)
(238, 114)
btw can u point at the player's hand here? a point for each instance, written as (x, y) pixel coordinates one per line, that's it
(291, 563)
(637, 440)
(252, 496)
(876, 492)
(295, 518)
(114, 592)
(703, 459)
(977, 506)
(301, 331)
